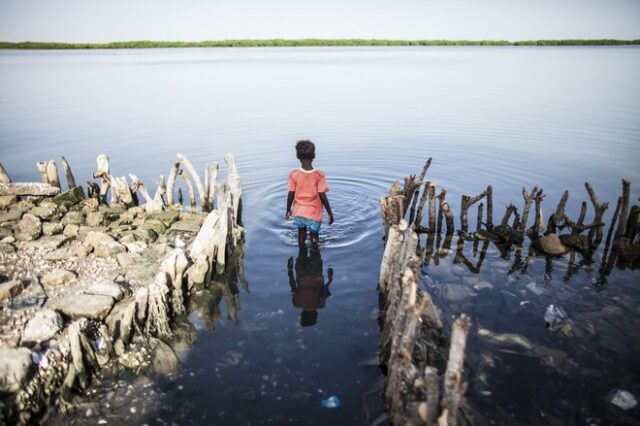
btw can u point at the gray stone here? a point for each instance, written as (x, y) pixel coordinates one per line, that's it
(146, 235)
(108, 248)
(70, 197)
(129, 237)
(89, 205)
(156, 225)
(7, 200)
(82, 305)
(58, 277)
(60, 254)
(83, 250)
(142, 272)
(30, 227)
(44, 212)
(135, 247)
(7, 248)
(45, 324)
(167, 217)
(95, 237)
(107, 289)
(96, 219)
(50, 243)
(127, 260)
(552, 245)
(186, 226)
(10, 289)
(73, 218)
(4, 233)
(12, 215)
(14, 368)
(52, 228)
(71, 230)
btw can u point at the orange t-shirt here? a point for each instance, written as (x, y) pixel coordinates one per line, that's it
(307, 184)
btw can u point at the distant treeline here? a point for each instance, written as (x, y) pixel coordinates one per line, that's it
(147, 44)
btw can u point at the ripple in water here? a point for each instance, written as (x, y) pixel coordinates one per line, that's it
(355, 209)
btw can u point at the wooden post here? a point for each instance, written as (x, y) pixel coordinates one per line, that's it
(187, 182)
(4, 176)
(595, 229)
(171, 182)
(194, 175)
(423, 200)
(432, 207)
(489, 208)
(71, 181)
(479, 218)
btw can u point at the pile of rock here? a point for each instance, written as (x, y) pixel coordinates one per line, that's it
(79, 279)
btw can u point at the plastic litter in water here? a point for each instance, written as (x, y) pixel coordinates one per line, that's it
(100, 343)
(553, 315)
(331, 402)
(622, 399)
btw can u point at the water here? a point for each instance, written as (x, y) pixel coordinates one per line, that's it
(510, 117)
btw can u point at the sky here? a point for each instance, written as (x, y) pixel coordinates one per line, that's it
(192, 20)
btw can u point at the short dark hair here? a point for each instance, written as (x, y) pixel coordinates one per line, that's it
(305, 150)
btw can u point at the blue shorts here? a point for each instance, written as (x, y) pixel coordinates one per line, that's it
(303, 222)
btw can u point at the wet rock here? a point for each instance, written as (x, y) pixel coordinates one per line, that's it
(82, 305)
(73, 218)
(71, 230)
(57, 278)
(7, 200)
(44, 212)
(50, 243)
(96, 218)
(164, 359)
(186, 226)
(94, 238)
(15, 364)
(107, 288)
(45, 324)
(29, 227)
(551, 244)
(70, 197)
(120, 323)
(10, 289)
(12, 215)
(52, 228)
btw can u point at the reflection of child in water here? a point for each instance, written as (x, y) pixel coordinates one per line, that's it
(308, 289)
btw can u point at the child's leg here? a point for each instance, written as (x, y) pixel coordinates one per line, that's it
(302, 236)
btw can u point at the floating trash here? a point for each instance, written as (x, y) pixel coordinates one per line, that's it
(331, 402)
(622, 399)
(535, 288)
(553, 315)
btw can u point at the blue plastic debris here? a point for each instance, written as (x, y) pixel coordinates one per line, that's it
(331, 402)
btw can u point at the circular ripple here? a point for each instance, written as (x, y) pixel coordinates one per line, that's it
(355, 206)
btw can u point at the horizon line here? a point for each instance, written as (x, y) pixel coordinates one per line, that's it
(305, 42)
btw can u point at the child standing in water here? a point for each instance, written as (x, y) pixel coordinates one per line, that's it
(307, 193)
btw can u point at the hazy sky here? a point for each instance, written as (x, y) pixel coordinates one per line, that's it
(107, 20)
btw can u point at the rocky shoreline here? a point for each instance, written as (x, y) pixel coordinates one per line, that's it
(87, 285)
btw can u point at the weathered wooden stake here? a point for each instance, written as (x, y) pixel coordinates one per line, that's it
(71, 181)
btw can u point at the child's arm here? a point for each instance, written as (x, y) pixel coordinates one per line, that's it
(287, 215)
(325, 203)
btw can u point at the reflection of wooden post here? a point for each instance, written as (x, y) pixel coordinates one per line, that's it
(489, 208)
(479, 218)
(624, 208)
(432, 207)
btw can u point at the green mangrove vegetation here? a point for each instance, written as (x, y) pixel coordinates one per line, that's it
(148, 44)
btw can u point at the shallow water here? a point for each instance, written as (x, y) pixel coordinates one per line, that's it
(510, 117)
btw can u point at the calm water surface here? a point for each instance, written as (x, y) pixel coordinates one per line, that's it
(510, 117)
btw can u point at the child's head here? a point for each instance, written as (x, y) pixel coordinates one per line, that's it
(305, 150)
